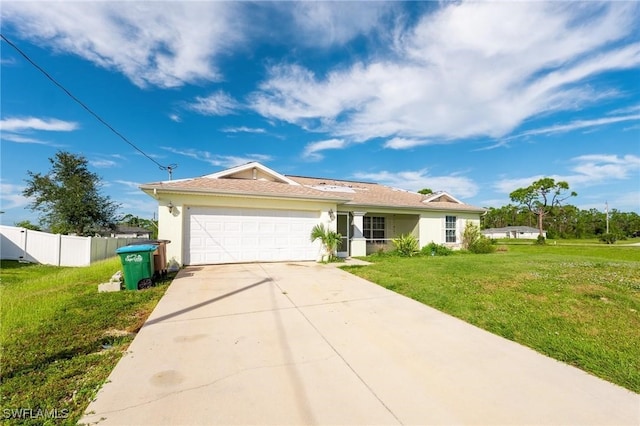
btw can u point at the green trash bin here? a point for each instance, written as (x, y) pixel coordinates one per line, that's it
(137, 265)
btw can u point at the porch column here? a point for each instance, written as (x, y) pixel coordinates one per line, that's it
(358, 242)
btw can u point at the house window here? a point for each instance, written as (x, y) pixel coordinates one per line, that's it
(373, 228)
(450, 229)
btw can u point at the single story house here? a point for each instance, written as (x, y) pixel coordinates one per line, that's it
(252, 213)
(524, 232)
(124, 231)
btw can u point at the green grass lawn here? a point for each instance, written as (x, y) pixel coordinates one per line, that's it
(566, 241)
(61, 338)
(577, 304)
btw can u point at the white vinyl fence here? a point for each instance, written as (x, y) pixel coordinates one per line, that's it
(55, 249)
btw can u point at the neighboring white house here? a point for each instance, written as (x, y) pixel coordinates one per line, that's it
(124, 231)
(523, 232)
(251, 213)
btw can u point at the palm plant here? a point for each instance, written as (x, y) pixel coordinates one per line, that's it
(329, 239)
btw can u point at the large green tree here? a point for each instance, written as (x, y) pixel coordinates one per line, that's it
(541, 197)
(68, 197)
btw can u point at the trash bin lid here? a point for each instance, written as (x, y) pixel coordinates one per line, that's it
(131, 249)
(144, 241)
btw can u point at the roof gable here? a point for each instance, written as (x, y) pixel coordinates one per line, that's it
(441, 197)
(252, 171)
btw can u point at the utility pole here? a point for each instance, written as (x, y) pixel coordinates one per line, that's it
(606, 209)
(170, 168)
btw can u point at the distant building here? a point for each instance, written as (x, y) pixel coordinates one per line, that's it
(123, 231)
(523, 232)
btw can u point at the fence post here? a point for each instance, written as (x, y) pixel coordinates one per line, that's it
(24, 244)
(58, 249)
(88, 251)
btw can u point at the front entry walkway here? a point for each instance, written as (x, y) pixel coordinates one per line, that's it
(304, 343)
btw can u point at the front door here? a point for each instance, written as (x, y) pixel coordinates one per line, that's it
(343, 229)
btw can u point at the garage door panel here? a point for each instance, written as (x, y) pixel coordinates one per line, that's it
(213, 227)
(266, 227)
(282, 227)
(232, 226)
(229, 235)
(248, 241)
(230, 242)
(248, 227)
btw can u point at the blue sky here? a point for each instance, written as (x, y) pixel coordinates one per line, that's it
(476, 99)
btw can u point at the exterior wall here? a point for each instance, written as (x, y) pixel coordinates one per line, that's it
(515, 234)
(395, 225)
(432, 227)
(496, 234)
(172, 225)
(425, 226)
(405, 224)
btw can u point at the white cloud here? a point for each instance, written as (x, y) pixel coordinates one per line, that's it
(8, 61)
(585, 171)
(104, 164)
(494, 202)
(626, 202)
(175, 117)
(404, 143)
(218, 103)
(170, 44)
(578, 124)
(508, 185)
(243, 129)
(219, 160)
(163, 44)
(129, 184)
(592, 169)
(11, 196)
(10, 137)
(415, 180)
(24, 124)
(467, 70)
(311, 151)
(335, 23)
(107, 161)
(627, 110)
(130, 188)
(144, 207)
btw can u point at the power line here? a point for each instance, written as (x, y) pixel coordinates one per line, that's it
(169, 168)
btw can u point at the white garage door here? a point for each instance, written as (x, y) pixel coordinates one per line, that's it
(227, 235)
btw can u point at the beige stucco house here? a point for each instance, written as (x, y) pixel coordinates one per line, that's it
(251, 213)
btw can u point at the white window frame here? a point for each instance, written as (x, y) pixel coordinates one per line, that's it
(450, 228)
(374, 228)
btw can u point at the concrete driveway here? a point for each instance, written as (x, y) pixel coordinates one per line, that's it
(304, 343)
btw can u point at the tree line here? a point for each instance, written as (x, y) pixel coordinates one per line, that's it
(566, 221)
(541, 205)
